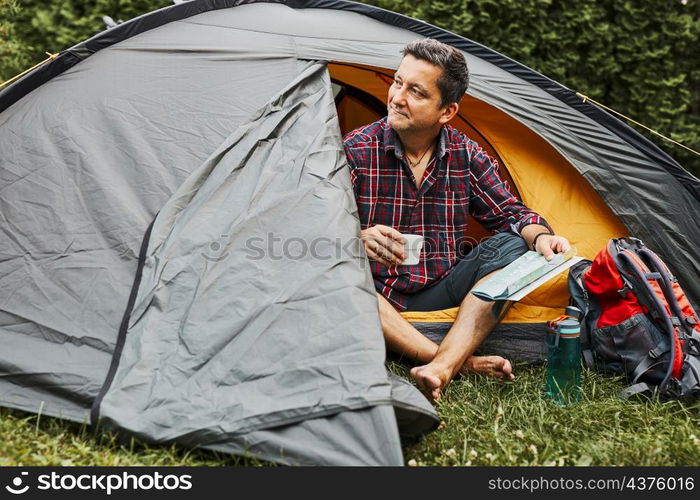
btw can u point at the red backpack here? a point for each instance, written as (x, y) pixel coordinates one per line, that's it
(637, 321)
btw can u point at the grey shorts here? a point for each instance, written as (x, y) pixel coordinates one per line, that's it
(495, 253)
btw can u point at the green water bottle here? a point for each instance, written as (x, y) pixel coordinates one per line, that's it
(564, 358)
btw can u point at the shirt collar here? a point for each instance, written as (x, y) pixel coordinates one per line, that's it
(392, 143)
(443, 142)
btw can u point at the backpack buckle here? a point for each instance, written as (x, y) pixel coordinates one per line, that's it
(657, 351)
(672, 389)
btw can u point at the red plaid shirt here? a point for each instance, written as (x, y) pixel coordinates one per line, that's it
(460, 180)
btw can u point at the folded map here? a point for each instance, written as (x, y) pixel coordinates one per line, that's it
(524, 275)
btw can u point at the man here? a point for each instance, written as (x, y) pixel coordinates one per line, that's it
(414, 174)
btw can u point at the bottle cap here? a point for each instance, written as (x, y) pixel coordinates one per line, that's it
(569, 328)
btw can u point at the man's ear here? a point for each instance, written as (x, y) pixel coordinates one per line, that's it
(449, 112)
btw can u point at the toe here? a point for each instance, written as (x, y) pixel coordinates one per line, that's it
(507, 368)
(508, 371)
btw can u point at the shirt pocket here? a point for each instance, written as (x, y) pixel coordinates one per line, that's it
(452, 212)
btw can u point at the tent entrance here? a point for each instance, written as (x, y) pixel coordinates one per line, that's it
(536, 172)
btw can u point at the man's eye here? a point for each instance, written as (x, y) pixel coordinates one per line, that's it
(397, 83)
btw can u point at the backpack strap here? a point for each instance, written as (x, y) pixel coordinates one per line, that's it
(694, 342)
(651, 361)
(634, 389)
(587, 354)
(657, 304)
(690, 383)
(688, 320)
(580, 298)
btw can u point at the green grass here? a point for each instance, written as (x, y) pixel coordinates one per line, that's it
(30, 440)
(512, 424)
(485, 423)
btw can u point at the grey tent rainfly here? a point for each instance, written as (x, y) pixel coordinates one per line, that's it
(146, 173)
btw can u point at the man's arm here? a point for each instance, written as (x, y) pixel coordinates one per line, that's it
(499, 210)
(352, 167)
(492, 203)
(383, 244)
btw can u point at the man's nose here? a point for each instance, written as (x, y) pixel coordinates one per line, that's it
(399, 97)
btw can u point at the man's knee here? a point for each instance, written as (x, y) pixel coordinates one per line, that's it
(496, 253)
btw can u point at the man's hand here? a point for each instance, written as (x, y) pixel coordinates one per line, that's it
(549, 244)
(384, 244)
(545, 244)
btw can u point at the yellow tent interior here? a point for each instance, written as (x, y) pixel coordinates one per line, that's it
(535, 171)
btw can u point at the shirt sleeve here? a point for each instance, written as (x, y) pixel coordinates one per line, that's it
(352, 166)
(491, 202)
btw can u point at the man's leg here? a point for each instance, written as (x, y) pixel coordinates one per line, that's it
(404, 339)
(475, 320)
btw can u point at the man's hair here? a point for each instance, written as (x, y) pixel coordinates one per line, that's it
(455, 75)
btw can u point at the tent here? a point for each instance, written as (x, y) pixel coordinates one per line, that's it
(178, 257)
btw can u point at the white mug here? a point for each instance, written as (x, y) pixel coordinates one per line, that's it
(412, 248)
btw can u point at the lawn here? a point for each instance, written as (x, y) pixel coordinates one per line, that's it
(484, 423)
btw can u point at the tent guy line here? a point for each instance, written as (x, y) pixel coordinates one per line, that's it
(585, 98)
(29, 70)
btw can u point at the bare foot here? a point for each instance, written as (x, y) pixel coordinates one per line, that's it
(430, 380)
(495, 366)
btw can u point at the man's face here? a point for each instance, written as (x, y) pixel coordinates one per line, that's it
(414, 98)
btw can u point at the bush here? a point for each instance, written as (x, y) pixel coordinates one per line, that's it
(640, 58)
